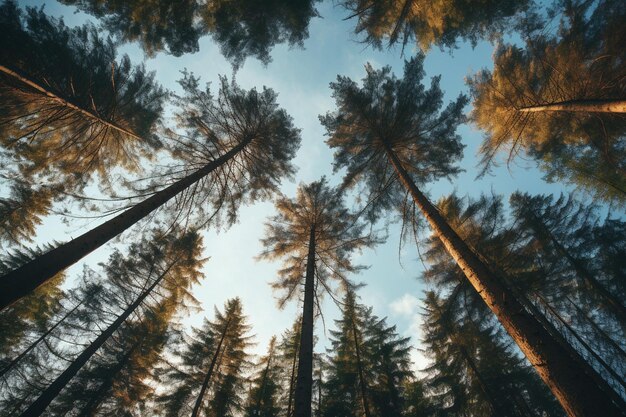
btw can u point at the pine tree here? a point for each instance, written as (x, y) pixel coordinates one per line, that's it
(561, 99)
(263, 396)
(315, 235)
(237, 148)
(441, 23)
(391, 137)
(207, 377)
(165, 263)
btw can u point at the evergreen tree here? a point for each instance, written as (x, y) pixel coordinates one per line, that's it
(441, 23)
(237, 148)
(208, 376)
(391, 137)
(161, 267)
(263, 396)
(315, 235)
(241, 28)
(288, 352)
(561, 100)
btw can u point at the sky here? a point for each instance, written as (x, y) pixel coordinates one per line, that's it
(301, 78)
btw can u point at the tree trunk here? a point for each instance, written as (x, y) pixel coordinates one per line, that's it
(362, 383)
(209, 374)
(23, 280)
(94, 402)
(264, 378)
(296, 353)
(496, 409)
(573, 388)
(90, 114)
(304, 381)
(590, 106)
(33, 345)
(39, 406)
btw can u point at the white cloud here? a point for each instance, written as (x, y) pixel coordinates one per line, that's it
(407, 305)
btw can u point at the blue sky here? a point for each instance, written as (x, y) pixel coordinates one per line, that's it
(301, 77)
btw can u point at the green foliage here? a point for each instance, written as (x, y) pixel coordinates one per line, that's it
(338, 233)
(439, 23)
(183, 377)
(242, 28)
(263, 398)
(582, 61)
(51, 131)
(397, 114)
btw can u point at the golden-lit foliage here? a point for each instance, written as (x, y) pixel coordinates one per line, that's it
(431, 23)
(581, 63)
(338, 233)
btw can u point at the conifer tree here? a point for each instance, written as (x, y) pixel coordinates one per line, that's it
(263, 396)
(391, 138)
(315, 235)
(208, 378)
(561, 100)
(161, 267)
(236, 148)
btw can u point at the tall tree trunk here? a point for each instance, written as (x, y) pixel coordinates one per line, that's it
(573, 388)
(90, 114)
(23, 280)
(94, 402)
(304, 381)
(41, 403)
(265, 375)
(33, 345)
(292, 378)
(583, 273)
(362, 383)
(591, 106)
(209, 374)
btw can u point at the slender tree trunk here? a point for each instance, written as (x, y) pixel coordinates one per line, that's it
(209, 374)
(611, 300)
(23, 280)
(39, 406)
(296, 354)
(90, 114)
(304, 381)
(591, 106)
(33, 345)
(94, 402)
(362, 383)
(264, 379)
(573, 388)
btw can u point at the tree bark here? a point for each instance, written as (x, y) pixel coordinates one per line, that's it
(574, 389)
(32, 346)
(304, 381)
(209, 374)
(41, 403)
(362, 383)
(296, 353)
(23, 280)
(590, 106)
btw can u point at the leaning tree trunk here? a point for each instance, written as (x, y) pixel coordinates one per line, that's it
(57, 98)
(33, 345)
(41, 403)
(304, 381)
(23, 280)
(573, 388)
(590, 106)
(362, 383)
(209, 374)
(496, 408)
